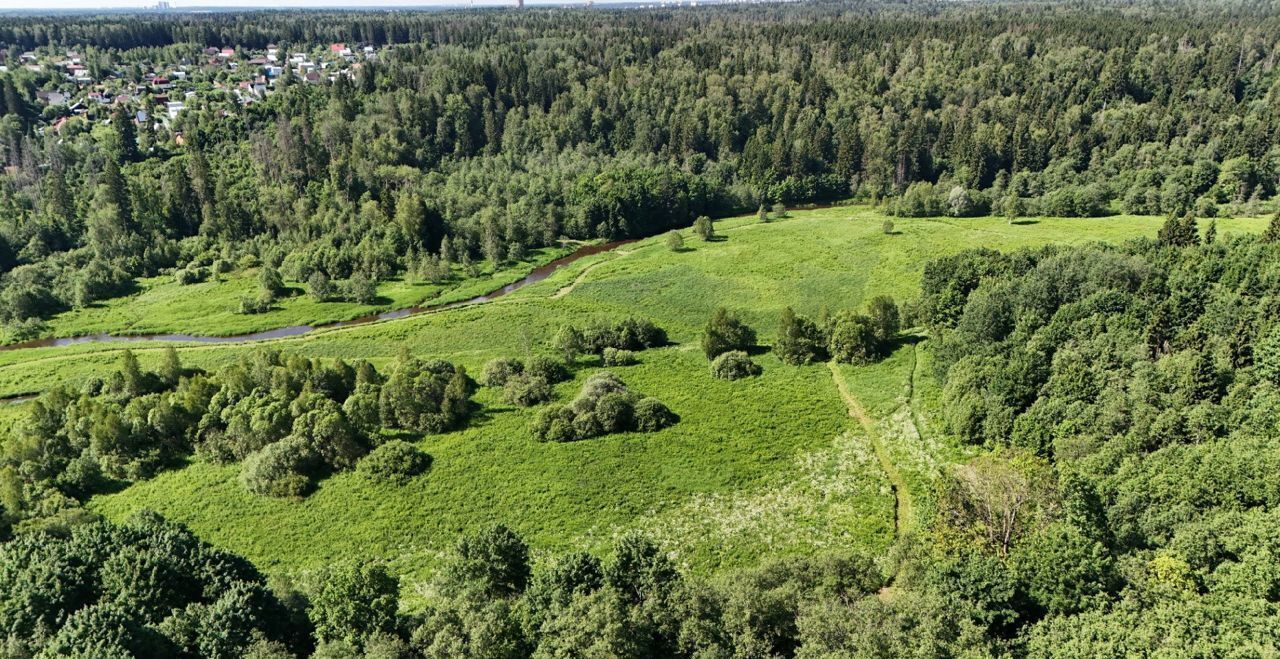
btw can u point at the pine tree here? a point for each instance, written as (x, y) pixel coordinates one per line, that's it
(1272, 234)
(126, 135)
(1179, 231)
(117, 194)
(133, 379)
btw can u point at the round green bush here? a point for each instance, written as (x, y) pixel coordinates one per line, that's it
(281, 469)
(397, 461)
(613, 412)
(554, 424)
(190, 275)
(498, 371)
(617, 357)
(586, 426)
(599, 384)
(650, 415)
(548, 369)
(527, 391)
(734, 365)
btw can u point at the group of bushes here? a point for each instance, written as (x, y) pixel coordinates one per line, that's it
(289, 420)
(525, 383)
(626, 334)
(849, 337)
(604, 406)
(726, 341)
(293, 422)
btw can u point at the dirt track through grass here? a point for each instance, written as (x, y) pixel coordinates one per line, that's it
(904, 514)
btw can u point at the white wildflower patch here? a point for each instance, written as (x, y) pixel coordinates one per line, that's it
(833, 497)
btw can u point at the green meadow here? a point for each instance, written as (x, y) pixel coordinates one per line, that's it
(776, 462)
(161, 305)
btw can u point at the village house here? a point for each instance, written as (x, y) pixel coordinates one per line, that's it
(51, 97)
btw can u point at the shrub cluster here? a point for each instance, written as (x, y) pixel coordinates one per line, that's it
(604, 406)
(725, 331)
(525, 383)
(849, 337)
(289, 420)
(626, 334)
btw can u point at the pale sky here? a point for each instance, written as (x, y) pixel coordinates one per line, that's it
(262, 4)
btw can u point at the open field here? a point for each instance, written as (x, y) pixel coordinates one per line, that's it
(830, 258)
(774, 462)
(161, 305)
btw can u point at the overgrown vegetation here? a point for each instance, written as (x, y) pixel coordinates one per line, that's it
(289, 421)
(604, 406)
(1045, 451)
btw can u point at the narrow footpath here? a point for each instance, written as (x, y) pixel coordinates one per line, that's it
(904, 514)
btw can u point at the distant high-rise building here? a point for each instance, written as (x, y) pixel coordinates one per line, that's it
(162, 6)
(519, 4)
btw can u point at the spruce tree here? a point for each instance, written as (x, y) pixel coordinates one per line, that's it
(1272, 234)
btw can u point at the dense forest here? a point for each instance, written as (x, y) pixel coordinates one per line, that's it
(1121, 399)
(476, 136)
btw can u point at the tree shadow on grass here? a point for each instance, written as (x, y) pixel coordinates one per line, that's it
(907, 340)
(1024, 222)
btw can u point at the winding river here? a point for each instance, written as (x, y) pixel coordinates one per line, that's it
(536, 275)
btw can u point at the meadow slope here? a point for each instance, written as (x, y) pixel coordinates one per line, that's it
(775, 462)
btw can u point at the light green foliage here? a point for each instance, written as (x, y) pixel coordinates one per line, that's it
(396, 461)
(558, 494)
(705, 228)
(675, 242)
(734, 365)
(852, 338)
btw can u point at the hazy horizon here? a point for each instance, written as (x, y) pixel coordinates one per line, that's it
(65, 5)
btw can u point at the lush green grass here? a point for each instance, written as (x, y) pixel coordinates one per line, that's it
(831, 258)
(161, 305)
(773, 463)
(732, 437)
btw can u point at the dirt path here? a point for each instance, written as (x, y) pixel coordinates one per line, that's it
(904, 514)
(912, 393)
(577, 280)
(582, 276)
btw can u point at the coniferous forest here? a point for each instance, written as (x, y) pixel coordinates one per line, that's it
(1020, 259)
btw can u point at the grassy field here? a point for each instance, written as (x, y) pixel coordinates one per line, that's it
(161, 305)
(773, 463)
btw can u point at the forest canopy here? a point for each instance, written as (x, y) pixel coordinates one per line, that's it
(477, 136)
